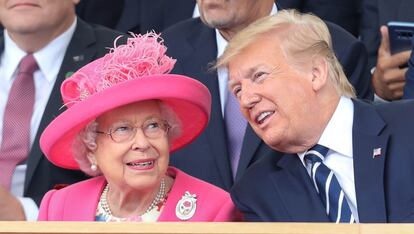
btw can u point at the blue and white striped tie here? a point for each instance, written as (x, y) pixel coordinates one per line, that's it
(328, 187)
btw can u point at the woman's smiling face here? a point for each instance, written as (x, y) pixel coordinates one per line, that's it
(138, 162)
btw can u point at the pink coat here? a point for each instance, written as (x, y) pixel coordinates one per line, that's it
(78, 202)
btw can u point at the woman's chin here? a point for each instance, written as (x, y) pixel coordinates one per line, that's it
(142, 183)
(141, 178)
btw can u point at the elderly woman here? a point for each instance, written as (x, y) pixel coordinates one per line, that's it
(124, 116)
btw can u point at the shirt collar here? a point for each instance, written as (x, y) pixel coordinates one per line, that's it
(49, 67)
(337, 135)
(11, 56)
(55, 49)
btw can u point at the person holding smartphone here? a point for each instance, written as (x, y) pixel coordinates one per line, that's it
(409, 77)
(388, 71)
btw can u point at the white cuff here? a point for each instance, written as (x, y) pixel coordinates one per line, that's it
(29, 207)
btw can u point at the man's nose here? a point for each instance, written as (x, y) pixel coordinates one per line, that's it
(248, 98)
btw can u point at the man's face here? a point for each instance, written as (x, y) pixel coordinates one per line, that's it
(232, 14)
(31, 16)
(277, 100)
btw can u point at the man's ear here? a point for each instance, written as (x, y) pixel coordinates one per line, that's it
(319, 73)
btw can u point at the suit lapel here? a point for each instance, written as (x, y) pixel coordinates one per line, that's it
(369, 166)
(202, 53)
(251, 143)
(77, 54)
(296, 191)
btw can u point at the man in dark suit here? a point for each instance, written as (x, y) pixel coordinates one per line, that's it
(345, 160)
(345, 13)
(60, 44)
(409, 77)
(196, 43)
(388, 78)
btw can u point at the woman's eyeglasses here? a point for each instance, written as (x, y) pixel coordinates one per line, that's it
(122, 132)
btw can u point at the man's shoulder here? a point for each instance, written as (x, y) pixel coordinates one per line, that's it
(395, 116)
(389, 108)
(396, 111)
(184, 28)
(100, 33)
(345, 44)
(339, 34)
(104, 31)
(182, 38)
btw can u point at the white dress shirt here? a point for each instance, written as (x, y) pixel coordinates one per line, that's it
(337, 136)
(49, 60)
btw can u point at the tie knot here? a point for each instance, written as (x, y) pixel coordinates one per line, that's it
(28, 64)
(316, 154)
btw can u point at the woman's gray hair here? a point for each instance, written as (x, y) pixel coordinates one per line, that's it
(85, 142)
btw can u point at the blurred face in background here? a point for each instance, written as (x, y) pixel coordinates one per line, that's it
(232, 15)
(46, 17)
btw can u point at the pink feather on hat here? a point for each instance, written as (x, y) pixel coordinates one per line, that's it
(141, 56)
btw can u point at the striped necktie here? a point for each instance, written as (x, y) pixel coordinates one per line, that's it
(327, 186)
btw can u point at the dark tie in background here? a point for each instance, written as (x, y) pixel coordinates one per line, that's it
(15, 143)
(328, 187)
(235, 129)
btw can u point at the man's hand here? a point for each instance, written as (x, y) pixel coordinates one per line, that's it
(388, 79)
(10, 207)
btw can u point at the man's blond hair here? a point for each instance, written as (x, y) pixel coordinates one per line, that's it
(302, 36)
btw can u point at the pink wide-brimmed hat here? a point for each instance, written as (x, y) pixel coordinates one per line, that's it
(129, 73)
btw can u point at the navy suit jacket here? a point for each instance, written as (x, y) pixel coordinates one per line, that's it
(193, 44)
(409, 78)
(379, 12)
(88, 43)
(281, 189)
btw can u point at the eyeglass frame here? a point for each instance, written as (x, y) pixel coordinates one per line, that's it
(165, 128)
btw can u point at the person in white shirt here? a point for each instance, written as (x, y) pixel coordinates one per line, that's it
(60, 44)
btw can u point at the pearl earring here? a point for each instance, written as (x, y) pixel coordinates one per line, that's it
(94, 167)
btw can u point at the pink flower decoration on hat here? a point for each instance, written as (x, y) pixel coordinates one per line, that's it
(141, 56)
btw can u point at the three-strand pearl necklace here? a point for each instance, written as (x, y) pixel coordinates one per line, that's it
(105, 206)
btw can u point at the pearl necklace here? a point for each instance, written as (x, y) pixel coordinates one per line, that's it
(105, 206)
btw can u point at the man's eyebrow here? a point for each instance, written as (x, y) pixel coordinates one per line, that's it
(231, 83)
(245, 75)
(250, 72)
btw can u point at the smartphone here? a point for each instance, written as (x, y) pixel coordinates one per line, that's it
(400, 34)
